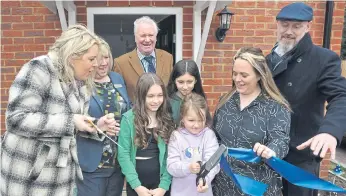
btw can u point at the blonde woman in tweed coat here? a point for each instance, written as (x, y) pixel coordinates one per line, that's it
(48, 103)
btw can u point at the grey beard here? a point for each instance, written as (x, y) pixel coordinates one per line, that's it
(283, 48)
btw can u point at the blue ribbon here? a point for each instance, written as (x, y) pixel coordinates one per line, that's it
(291, 173)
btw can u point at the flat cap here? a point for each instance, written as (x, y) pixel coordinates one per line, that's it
(296, 11)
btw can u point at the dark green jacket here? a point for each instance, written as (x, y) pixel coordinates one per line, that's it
(175, 102)
(127, 154)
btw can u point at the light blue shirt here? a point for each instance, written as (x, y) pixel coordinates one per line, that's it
(144, 63)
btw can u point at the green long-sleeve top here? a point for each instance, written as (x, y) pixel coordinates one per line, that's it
(175, 102)
(127, 154)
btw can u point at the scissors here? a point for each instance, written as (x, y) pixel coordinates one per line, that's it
(210, 164)
(100, 131)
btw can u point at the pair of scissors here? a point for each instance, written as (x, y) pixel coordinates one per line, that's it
(101, 132)
(210, 164)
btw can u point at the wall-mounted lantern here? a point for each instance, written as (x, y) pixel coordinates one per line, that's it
(225, 23)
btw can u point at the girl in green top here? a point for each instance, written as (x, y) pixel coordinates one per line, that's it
(185, 78)
(145, 131)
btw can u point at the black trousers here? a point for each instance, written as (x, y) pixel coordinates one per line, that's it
(148, 173)
(289, 189)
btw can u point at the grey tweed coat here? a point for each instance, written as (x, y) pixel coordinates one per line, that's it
(38, 155)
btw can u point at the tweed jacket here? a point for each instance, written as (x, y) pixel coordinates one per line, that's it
(129, 66)
(38, 154)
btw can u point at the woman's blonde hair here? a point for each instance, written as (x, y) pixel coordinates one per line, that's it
(105, 50)
(73, 43)
(255, 57)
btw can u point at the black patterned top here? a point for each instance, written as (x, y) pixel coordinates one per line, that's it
(112, 102)
(264, 121)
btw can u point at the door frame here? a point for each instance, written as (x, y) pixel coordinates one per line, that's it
(177, 11)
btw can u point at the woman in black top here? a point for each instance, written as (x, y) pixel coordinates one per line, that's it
(252, 115)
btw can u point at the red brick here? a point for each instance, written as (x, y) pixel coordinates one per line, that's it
(5, 11)
(211, 68)
(7, 70)
(222, 74)
(50, 18)
(11, 18)
(230, 53)
(24, 55)
(214, 95)
(42, 11)
(271, 12)
(338, 5)
(266, 4)
(33, 33)
(320, 12)
(162, 3)
(13, 48)
(245, 4)
(244, 18)
(254, 40)
(57, 25)
(207, 88)
(321, 5)
(255, 12)
(187, 38)
(224, 46)
(212, 81)
(244, 32)
(187, 54)
(96, 3)
(32, 18)
(44, 40)
(23, 40)
(264, 33)
(31, 4)
(264, 47)
(207, 60)
(44, 25)
(283, 4)
(187, 46)
(10, 4)
(209, 46)
(10, 77)
(12, 33)
(336, 48)
(182, 3)
(140, 3)
(236, 25)
(188, 24)
(265, 19)
(6, 26)
(12, 62)
(338, 20)
(22, 26)
(224, 88)
(7, 55)
(81, 18)
(221, 60)
(254, 26)
(81, 10)
(187, 17)
(40, 53)
(238, 46)
(21, 11)
(187, 31)
(271, 26)
(213, 53)
(34, 47)
(80, 3)
(52, 32)
(119, 3)
(6, 40)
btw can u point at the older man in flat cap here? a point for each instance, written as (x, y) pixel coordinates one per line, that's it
(308, 75)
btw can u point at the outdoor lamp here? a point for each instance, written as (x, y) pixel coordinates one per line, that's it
(225, 23)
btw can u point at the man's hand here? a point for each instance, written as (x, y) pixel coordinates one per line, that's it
(142, 191)
(322, 141)
(158, 192)
(263, 151)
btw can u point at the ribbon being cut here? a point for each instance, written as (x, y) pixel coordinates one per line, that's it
(291, 173)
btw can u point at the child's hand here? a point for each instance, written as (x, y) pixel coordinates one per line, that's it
(194, 168)
(201, 188)
(142, 191)
(158, 192)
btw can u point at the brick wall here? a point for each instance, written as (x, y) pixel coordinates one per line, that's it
(28, 29)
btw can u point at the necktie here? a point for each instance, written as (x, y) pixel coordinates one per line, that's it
(151, 67)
